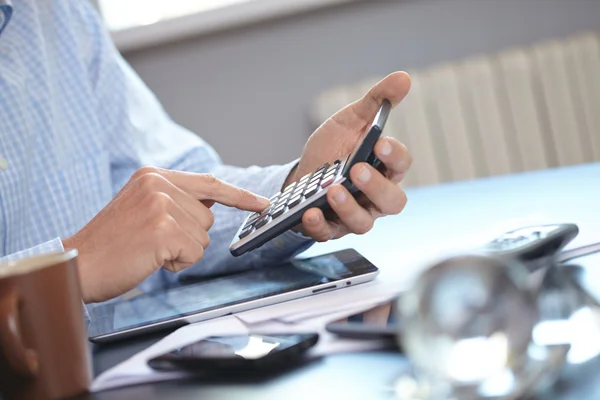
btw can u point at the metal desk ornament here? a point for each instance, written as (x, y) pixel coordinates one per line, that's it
(499, 323)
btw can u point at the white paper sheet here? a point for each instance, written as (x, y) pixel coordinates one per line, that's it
(324, 303)
(348, 308)
(135, 370)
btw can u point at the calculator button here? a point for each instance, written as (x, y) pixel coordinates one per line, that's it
(252, 218)
(305, 178)
(289, 188)
(274, 198)
(311, 190)
(246, 231)
(299, 188)
(328, 181)
(322, 168)
(315, 178)
(283, 199)
(278, 211)
(328, 174)
(262, 222)
(295, 201)
(299, 191)
(249, 223)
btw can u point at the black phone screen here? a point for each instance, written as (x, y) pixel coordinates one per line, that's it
(239, 351)
(379, 322)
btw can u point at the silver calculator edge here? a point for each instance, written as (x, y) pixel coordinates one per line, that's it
(237, 243)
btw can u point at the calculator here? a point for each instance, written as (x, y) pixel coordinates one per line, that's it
(287, 207)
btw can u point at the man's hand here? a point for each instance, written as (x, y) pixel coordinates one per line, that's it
(337, 137)
(159, 219)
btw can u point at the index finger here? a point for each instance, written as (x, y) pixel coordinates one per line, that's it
(212, 188)
(208, 188)
(395, 156)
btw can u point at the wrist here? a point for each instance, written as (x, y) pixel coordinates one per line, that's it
(71, 243)
(291, 178)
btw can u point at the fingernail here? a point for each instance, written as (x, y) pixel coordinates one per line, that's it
(364, 175)
(340, 197)
(314, 219)
(386, 148)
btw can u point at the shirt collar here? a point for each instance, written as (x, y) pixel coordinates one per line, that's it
(5, 13)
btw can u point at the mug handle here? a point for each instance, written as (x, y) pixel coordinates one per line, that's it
(21, 360)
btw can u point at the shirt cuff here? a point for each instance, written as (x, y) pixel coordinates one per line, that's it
(289, 243)
(52, 246)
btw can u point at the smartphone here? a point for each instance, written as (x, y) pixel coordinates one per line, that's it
(288, 206)
(239, 353)
(379, 322)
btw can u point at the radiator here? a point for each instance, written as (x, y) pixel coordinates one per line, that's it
(520, 109)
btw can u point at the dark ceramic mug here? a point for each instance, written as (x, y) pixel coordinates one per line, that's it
(44, 352)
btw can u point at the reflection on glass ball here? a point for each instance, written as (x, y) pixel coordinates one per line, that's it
(468, 318)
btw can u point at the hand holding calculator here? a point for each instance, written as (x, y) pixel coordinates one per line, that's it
(288, 206)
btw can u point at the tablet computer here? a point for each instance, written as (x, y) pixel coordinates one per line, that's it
(229, 294)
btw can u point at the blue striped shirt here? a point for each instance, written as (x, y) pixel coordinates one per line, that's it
(76, 122)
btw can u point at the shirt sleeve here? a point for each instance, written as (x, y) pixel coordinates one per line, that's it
(139, 132)
(51, 246)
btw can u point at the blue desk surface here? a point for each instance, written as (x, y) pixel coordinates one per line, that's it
(453, 217)
(436, 219)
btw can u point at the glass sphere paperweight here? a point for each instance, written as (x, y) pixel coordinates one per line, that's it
(467, 328)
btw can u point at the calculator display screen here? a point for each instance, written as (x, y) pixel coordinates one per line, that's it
(228, 290)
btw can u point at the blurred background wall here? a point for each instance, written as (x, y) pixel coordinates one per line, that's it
(248, 90)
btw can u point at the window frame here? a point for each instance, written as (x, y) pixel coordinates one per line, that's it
(214, 20)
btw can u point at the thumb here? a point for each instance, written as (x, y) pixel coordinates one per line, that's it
(393, 87)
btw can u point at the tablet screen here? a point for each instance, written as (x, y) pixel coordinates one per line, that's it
(228, 290)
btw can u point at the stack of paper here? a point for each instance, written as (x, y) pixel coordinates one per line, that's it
(309, 314)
